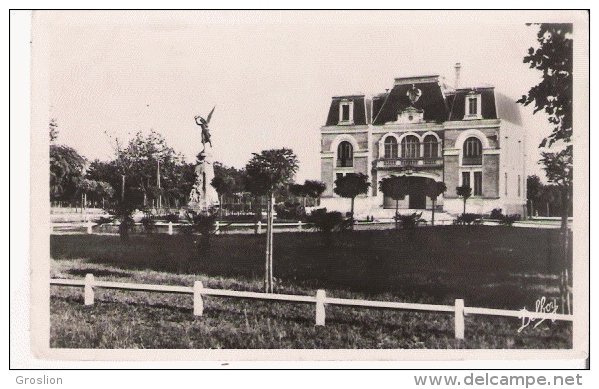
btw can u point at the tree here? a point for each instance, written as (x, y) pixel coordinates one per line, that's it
(314, 188)
(53, 127)
(553, 57)
(350, 186)
(534, 188)
(433, 190)
(267, 171)
(226, 181)
(464, 191)
(397, 188)
(553, 95)
(66, 170)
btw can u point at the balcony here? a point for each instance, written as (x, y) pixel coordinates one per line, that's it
(405, 162)
(469, 161)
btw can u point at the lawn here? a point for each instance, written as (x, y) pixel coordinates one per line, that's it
(494, 267)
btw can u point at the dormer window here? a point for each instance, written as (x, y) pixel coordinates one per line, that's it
(473, 106)
(346, 112)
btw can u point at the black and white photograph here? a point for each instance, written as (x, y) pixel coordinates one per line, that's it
(309, 185)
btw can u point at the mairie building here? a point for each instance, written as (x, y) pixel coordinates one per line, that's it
(425, 130)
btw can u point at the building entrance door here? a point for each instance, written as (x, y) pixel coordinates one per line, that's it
(417, 196)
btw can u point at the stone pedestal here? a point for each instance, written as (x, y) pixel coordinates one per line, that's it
(203, 196)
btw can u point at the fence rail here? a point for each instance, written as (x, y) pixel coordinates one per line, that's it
(198, 291)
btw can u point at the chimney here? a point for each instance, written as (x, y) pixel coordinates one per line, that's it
(458, 66)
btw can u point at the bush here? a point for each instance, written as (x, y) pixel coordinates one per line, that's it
(149, 223)
(496, 214)
(508, 220)
(327, 221)
(104, 220)
(290, 211)
(409, 221)
(172, 217)
(468, 219)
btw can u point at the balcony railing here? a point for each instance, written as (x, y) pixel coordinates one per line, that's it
(472, 160)
(428, 162)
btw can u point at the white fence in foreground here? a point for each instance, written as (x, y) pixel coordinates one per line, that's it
(321, 300)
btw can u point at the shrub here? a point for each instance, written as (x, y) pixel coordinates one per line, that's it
(468, 219)
(508, 220)
(327, 221)
(104, 220)
(496, 214)
(172, 217)
(290, 211)
(409, 221)
(149, 223)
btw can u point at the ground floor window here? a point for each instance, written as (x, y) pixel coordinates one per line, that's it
(465, 178)
(474, 180)
(478, 184)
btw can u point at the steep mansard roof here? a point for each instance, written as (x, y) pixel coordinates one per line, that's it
(361, 117)
(432, 100)
(439, 104)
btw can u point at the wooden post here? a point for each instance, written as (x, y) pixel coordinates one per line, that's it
(320, 312)
(198, 303)
(217, 228)
(170, 228)
(459, 319)
(259, 226)
(89, 227)
(299, 225)
(89, 289)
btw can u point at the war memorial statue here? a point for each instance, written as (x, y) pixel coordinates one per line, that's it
(203, 196)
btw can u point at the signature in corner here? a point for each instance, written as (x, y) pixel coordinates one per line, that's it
(541, 306)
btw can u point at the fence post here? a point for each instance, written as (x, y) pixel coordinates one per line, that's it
(299, 225)
(217, 228)
(320, 312)
(459, 319)
(170, 228)
(89, 289)
(198, 303)
(259, 226)
(89, 227)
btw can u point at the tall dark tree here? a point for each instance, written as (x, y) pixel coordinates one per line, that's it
(66, 170)
(553, 56)
(396, 188)
(534, 189)
(433, 190)
(350, 186)
(266, 172)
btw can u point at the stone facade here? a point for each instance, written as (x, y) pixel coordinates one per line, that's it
(426, 131)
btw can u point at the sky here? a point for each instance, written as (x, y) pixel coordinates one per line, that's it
(271, 75)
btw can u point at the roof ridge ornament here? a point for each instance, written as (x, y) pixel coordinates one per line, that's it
(413, 94)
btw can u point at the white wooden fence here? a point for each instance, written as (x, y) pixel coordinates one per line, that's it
(321, 300)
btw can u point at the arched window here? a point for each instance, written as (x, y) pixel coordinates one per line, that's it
(390, 147)
(431, 147)
(410, 147)
(473, 152)
(345, 154)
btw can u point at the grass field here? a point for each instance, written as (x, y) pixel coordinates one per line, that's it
(494, 267)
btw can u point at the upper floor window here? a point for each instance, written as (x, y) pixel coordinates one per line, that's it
(346, 112)
(345, 154)
(431, 147)
(473, 152)
(390, 147)
(410, 147)
(473, 106)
